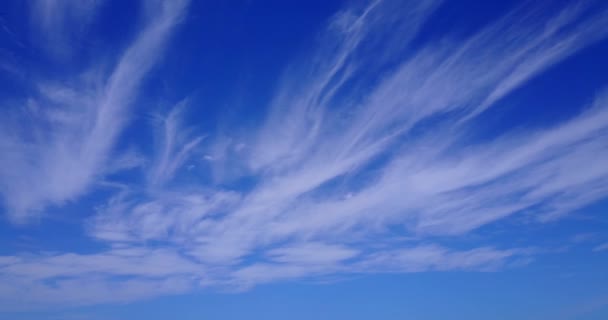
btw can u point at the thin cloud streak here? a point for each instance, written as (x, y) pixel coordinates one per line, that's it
(601, 247)
(61, 23)
(175, 147)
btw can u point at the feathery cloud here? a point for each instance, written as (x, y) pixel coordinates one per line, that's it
(72, 128)
(354, 146)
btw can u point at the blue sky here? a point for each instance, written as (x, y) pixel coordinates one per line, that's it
(328, 160)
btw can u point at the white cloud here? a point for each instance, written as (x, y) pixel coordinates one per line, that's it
(311, 253)
(312, 150)
(601, 247)
(309, 157)
(175, 147)
(72, 129)
(174, 216)
(370, 135)
(128, 273)
(431, 257)
(58, 23)
(117, 275)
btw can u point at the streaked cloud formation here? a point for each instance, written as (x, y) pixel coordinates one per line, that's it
(353, 147)
(76, 125)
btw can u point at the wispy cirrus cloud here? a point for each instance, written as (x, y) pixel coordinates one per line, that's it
(126, 273)
(315, 139)
(175, 146)
(601, 247)
(117, 275)
(72, 128)
(59, 25)
(354, 146)
(310, 153)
